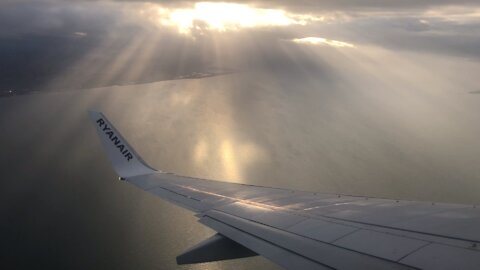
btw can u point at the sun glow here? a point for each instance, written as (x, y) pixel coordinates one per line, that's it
(226, 16)
(322, 41)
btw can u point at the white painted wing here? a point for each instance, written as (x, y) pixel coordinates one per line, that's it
(303, 230)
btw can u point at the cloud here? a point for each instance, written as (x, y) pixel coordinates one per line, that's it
(223, 17)
(322, 41)
(310, 5)
(97, 43)
(423, 34)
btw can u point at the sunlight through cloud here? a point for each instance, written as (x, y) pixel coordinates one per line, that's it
(226, 17)
(323, 41)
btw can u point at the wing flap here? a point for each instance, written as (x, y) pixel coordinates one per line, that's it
(269, 250)
(307, 252)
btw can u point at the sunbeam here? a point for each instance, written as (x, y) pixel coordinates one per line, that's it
(222, 17)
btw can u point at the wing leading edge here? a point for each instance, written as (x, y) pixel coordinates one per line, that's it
(304, 230)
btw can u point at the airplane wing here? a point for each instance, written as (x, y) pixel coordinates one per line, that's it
(306, 230)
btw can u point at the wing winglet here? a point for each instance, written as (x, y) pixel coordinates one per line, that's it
(125, 160)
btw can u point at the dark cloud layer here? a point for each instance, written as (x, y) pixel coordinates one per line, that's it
(314, 5)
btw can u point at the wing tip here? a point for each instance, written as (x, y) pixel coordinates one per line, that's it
(124, 158)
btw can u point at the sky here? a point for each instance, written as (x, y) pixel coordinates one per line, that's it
(53, 44)
(364, 97)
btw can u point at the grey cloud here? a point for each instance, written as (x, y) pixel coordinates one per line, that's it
(435, 35)
(315, 5)
(38, 43)
(301, 5)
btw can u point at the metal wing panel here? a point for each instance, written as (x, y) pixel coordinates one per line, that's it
(299, 199)
(379, 211)
(324, 231)
(273, 217)
(449, 220)
(461, 222)
(379, 244)
(165, 186)
(442, 257)
(321, 253)
(178, 199)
